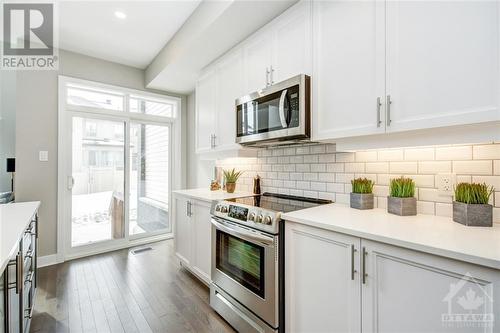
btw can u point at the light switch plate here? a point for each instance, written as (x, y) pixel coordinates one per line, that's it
(445, 183)
(43, 156)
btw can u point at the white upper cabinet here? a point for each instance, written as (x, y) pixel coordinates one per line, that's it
(258, 55)
(229, 88)
(349, 70)
(442, 63)
(292, 49)
(205, 112)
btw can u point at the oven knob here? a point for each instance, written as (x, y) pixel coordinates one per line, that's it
(223, 209)
(217, 208)
(251, 217)
(259, 218)
(268, 220)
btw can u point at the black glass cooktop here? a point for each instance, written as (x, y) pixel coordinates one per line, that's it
(280, 202)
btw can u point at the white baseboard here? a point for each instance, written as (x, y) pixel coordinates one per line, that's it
(54, 259)
(49, 260)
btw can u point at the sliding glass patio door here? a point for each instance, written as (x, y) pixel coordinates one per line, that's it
(115, 167)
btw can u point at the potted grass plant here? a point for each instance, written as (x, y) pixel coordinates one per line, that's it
(401, 200)
(230, 179)
(362, 193)
(471, 206)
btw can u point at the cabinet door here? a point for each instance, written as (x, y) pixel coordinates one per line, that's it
(322, 292)
(411, 291)
(229, 88)
(349, 68)
(205, 111)
(292, 46)
(442, 63)
(183, 230)
(202, 240)
(257, 53)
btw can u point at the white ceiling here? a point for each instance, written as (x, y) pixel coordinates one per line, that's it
(91, 28)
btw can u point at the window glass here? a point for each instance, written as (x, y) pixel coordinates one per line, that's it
(84, 96)
(154, 107)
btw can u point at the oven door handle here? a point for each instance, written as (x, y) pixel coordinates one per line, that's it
(243, 234)
(283, 120)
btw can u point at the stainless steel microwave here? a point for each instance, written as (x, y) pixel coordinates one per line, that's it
(278, 114)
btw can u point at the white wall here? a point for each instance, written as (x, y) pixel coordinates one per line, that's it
(7, 125)
(36, 129)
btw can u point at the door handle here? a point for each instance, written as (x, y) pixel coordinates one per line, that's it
(388, 103)
(71, 182)
(353, 270)
(363, 265)
(379, 105)
(281, 109)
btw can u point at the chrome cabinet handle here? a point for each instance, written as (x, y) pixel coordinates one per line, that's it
(187, 208)
(214, 136)
(353, 270)
(363, 265)
(388, 103)
(19, 271)
(379, 105)
(281, 109)
(272, 72)
(267, 77)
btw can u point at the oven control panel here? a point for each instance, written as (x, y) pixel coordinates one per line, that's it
(258, 218)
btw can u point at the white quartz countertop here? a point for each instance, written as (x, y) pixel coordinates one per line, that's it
(426, 233)
(206, 195)
(14, 219)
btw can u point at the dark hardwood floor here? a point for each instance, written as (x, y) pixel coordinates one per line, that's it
(124, 292)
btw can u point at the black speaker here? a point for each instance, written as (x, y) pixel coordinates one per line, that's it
(11, 165)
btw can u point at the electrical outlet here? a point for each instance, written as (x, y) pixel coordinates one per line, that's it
(446, 183)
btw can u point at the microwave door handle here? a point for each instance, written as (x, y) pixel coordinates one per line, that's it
(245, 235)
(283, 120)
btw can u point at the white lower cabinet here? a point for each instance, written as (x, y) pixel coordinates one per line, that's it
(403, 290)
(192, 235)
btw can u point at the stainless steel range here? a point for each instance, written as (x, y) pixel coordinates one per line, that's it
(248, 259)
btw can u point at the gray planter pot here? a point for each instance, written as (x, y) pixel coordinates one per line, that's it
(402, 206)
(473, 215)
(362, 200)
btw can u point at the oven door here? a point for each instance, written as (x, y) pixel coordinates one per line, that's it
(278, 112)
(245, 266)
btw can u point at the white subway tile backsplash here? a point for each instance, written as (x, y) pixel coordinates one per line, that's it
(344, 157)
(318, 167)
(489, 180)
(473, 167)
(378, 167)
(434, 167)
(335, 167)
(454, 153)
(344, 177)
(354, 167)
(390, 155)
(320, 171)
(486, 152)
(496, 215)
(403, 167)
(303, 168)
(335, 187)
(432, 194)
(318, 186)
(366, 156)
(425, 207)
(310, 176)
(444, 209)
(419, 154)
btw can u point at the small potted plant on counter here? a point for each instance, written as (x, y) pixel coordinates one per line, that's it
(230, 179)
(401, 200)
(471, 206)
(361, 195)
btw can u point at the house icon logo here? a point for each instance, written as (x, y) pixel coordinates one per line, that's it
(469, 303)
